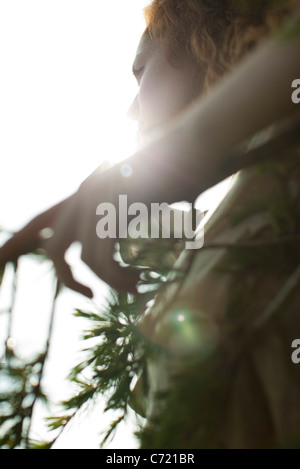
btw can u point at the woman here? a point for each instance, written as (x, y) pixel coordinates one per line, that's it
(189, 146)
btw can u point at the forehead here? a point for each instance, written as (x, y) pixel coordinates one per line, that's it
(145, 43)
(148, 48)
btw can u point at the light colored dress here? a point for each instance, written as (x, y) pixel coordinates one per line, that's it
(235, 313)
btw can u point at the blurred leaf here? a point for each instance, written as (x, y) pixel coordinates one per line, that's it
(86, 315)
(40, 444)
(57, 422)
(109, 433)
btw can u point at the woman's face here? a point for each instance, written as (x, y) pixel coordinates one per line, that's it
(165, 89)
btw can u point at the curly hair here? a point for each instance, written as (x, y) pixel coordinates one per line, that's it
(214, 34)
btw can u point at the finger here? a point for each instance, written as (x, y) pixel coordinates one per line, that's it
(56, 246)
(119, 277)
(65, 276)
(123, 279)
(98, 255)
(17, 246)
(28, 239)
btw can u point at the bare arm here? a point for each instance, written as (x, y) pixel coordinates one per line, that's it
(183, 160)
(180, 163)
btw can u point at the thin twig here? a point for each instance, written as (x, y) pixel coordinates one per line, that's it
(43, 361)
(10, 310)
(70, 418)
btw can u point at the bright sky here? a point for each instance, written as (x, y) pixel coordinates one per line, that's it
(65, 87)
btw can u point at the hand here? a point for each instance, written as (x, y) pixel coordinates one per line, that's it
(206, 134)
(29, 238)
(77, 222)
(74, 219)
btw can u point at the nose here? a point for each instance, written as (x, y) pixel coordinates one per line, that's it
(134, 110)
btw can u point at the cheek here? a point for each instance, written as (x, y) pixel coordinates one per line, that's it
(153, 95)
(164, 92)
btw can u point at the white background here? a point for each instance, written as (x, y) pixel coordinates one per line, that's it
(65, 87)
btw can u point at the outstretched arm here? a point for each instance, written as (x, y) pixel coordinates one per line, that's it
(186, 158)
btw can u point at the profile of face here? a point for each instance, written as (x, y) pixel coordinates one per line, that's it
(165, 88)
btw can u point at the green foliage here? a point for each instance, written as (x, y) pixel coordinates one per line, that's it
(117, 357)
(112, 366)
(20, 390)
(21, 385)
(117, 352)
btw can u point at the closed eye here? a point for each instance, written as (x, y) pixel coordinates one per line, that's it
(137, 72)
